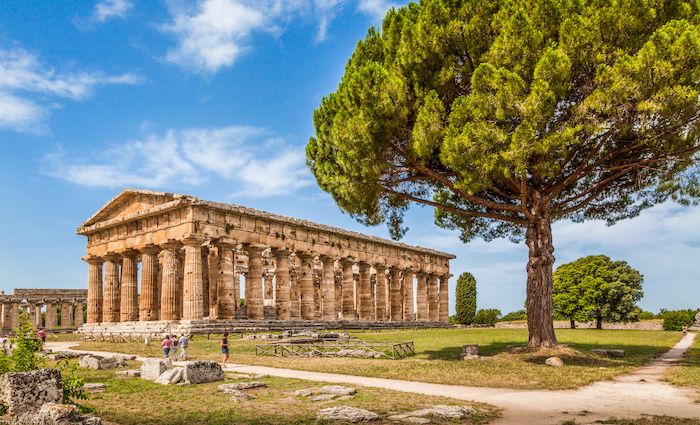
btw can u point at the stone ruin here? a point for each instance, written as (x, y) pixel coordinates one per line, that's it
(197, 372)
(48, 301)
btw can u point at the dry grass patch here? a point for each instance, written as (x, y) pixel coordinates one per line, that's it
(687, 371)
(437, 356)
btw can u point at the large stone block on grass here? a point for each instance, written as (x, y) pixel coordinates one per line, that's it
(151, 369)
(56, 414)
(201, 372)
(346, 414)
(170, 376)
(26, 392)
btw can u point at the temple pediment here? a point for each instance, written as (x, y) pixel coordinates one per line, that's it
(129, 202)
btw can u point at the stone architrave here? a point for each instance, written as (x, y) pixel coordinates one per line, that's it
(170, 275)
(395, 304)
(213, 261)
(408, 311)
(422, 297)
(307, 286)
(94, 300)
(433, 301)
(381, 293)
(226, 284)
(364, 289)
(149, 300)
(129, 310)
(77, 317)
(348, 289)
(283, 287)
(328, 289)
(444, 315)
(253, 283)
(112, 295)
(193, 295)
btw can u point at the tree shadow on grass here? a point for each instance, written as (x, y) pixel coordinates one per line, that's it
(452, 353)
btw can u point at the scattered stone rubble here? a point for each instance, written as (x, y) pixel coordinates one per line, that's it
(131, 373)
(235, 389)
(163, 372)
(201, 372)
(94, 387)
(347, 414)
(440, 410)
(33, 398)
(96, 362)
(469, 352)
(609, 352)
(326, 393)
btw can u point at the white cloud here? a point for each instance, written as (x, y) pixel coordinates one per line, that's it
(376, 8)
(108, 9)
(28, 89)
(240, 154)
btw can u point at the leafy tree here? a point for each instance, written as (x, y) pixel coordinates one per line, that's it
(487, 316)
(466, 299)
(514, 315)
(595, 287)
(674, 320)
(24, 355)
(506, 116)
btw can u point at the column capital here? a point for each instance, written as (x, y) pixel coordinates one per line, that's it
(363, 265)
(379, 267)
(325, 257)
(93, 259)
(194, 240)
(150, 249)
(129, 253)
(112, 257)
(171, 245)
(280, 252)
(347, 261)
(224, 243)
(304, 255)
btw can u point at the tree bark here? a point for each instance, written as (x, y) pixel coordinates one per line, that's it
(573, 324)
(599, 323)
(539, 283)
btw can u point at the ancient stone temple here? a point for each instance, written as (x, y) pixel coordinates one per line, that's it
(53, 309)
(157, 258)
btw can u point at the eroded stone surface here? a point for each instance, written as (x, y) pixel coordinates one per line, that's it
(96, 362)
(24, 392)
(441, 410)
(201, 372)
(151, 369)
(170, 376)
(336, 390)
(303, 393)
(94, 387)
(347, 414)
(554, 362)
(56, 414)
(131, 373)
(323, 397)
(242, 385)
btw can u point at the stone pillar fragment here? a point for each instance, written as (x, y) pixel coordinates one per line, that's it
(408, 312)
(170, 275)
(364, 289)
(77, 316)
(14, 315)
(51, 315)
(213, 267)
(112, 295)
(422, 297)
(129, 310)
(149, 301)
(94, 299)
(381, 294)
(348, 290)
(395, 302)
(282, 287)
(253, 283)
(328, 289)
(193, 295)
(444, 315)
(307, 286)
(226, 284)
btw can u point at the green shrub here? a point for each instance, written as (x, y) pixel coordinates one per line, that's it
(487, 316)
(466, 299)
(646, 315)
(72, 384)
(674, 320)
(514, 315)
(25, 355)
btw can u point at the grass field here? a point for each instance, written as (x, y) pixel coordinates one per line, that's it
(135, 401)
(437, 358)
(687, 372)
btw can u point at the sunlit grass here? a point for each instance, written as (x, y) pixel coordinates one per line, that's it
(687, 372)
(437, 356)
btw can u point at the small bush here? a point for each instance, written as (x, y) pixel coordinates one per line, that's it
(514, 315)
(72, 384)
(27, 345)
(487, 316)
(646, 315)
(674, 320)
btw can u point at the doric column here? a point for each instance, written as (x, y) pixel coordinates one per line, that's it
(381, 289)
(77, 317)
(226, 285)
(129, 311)
(328, 289)
(213, 261)
(282, 288)
(444, 315)
(306, 286)
(295, 294)
(112, 296)
(94, 299)
(193, 295)
(180, 299)
(51, 315)
(66, 314)
(14, 315)
(348, 289)
(170, 275)
(253, 283)
(149, 301)
(364, 289)
(433, 301)
(408, 315)
(205, 280)
(422, 297)
(36, 316)
(395, 301)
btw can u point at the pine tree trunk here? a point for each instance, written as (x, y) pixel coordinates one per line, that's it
(539, 283)
(599, 323)
(573, 324)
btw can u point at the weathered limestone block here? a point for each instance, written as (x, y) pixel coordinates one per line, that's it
(470, 352)
(201, 372)
(347, 414)
(131, 373)
(56, 414)
(323, 397)
(336, 390)
(303, 392)
(554, 362)
(241, 386)
(609, 353)
(96, 362)
(151, 369)
(440, 410)
(170, 376)
(25, 392)
(94, 387)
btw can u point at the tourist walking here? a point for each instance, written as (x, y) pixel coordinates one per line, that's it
(42, 335)
(175, 347)
(685, 331)
(224, 347)
(167, 345)
(183, 343)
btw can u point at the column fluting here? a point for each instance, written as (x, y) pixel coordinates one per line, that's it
(282, 284)
(328, 289)
(422, 297)
(348, 289)
(226, 284)
(433, 301)
(364, 289)
(170, 275)
(95, 299)
(444, 315)
(77, 317)
(129, 311)
(395, 304)
(253, 283)
(381, 294)
(408, 309)
(193, 294)
(112, 295)
(307, 286)
(149, 300)
(213, 260)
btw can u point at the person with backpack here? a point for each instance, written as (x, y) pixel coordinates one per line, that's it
(175, 347)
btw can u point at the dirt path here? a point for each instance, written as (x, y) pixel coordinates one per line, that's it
(642, 392)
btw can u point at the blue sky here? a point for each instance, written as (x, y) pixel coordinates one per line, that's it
(214, 98)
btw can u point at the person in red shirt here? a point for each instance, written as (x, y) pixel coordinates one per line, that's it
(42, 335)
(167, 345)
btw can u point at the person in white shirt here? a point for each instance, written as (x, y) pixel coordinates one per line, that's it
(183, 343)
